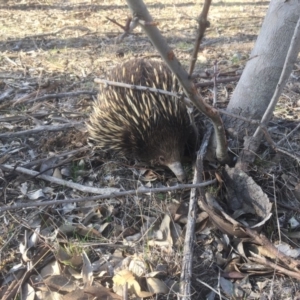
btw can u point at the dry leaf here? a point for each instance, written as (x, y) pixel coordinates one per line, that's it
(156, 286)
(50, 269)
(87, 270)
(138, 266)
(125, 276)
(60, 283)
(244, 195)
(27, 292)
(48, 295)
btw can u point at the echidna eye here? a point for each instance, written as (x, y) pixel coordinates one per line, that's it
(161, 159)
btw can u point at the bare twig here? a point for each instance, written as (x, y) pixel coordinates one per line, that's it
(278, 232)
(125, 291)
(273, 145)
(266, 133)
(10, 61)
(62, 95)
(202, 25)
(39, 129)
(31, 98)
(63, 154)
(6, 94)
(143, 88)
(81, 28)
(188, 250)
(128, 28)
(17, 118)
(217, 81)
(11, 77)
(40, 258)
(249, 120)
(215, 92)
(295, 45)
(65, 183)
(288, 135)
(295, 157)
(125, 28)
(211, 288)
(105, 196)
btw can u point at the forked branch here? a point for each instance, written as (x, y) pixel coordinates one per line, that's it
(142, 16)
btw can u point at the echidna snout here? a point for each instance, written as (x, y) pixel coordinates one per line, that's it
(153, 128)
(176, 168)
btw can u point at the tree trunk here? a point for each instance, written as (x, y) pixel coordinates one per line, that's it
(262, 72)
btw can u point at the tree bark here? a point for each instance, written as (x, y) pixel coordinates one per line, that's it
(262, 72)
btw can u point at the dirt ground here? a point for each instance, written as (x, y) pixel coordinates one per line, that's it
(50, 54)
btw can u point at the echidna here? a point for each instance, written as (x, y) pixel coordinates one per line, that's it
(150, 127)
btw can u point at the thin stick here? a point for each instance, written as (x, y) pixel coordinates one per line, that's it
(65, 183)
(62, 95)
(71, 153)
(215, 92)
(39, 129)
(287, 136)
(188, 250)
(107, 195)
(211, 288)
(137, 87)
(295, 44)
(219, 80)
(202, 25)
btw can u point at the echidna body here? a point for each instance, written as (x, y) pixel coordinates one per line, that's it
(150, 127)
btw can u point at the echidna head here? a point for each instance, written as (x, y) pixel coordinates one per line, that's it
(164, 146)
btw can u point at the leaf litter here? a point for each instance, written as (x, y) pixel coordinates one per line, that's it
(94, 249)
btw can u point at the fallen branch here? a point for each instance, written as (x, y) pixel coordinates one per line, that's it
(188, 250)
(64, 183)
(105, 196)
